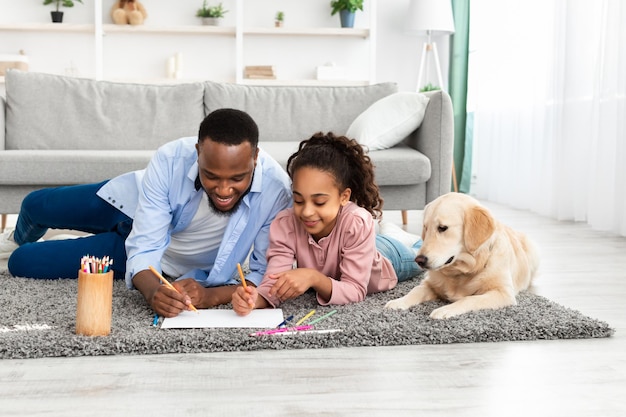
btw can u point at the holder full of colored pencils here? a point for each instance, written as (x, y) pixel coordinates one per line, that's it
(93, 265)
(95, 297)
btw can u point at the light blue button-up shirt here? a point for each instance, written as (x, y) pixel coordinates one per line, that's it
(163, 198)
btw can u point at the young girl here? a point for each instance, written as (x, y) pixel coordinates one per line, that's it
(330, 232)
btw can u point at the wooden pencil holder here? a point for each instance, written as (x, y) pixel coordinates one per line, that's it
(95, 304)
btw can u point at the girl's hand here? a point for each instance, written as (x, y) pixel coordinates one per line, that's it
(293, 283)
(244, 300)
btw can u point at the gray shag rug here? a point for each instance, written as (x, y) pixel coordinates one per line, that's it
(38, 318)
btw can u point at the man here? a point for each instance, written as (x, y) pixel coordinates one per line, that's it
(199, 208)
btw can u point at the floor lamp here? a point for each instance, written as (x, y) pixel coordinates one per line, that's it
(431, 18)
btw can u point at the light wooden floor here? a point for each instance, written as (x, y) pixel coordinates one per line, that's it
(581, 269)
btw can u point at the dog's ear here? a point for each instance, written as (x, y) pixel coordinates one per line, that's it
(425, 217)
(479, 226)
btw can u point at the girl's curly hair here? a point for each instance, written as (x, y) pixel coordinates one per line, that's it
(346, 161)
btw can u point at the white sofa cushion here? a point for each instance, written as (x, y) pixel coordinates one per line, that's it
(389, 120)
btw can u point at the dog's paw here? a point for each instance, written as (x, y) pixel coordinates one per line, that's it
(445, 312)
(397, 304)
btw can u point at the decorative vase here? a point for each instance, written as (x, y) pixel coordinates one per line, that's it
(278, 24)
(210, 21)
(57, 17)
(347, 18)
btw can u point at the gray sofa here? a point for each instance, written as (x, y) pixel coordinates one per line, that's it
(57, 130)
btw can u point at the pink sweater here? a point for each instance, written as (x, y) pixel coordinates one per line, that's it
(348, 255)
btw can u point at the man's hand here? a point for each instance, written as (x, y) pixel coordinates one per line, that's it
(163, 300)
(194, 290)
(169, 303)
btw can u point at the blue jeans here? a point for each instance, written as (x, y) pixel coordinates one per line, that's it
(74, 207)
(402, 257)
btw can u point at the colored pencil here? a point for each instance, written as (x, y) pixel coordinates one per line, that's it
(167, 284)
(299, 332)
(282, 329)
(284, 322)
(243, 280)
(323, 317)
(303, 319)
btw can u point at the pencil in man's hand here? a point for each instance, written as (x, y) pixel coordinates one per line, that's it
(168, 284)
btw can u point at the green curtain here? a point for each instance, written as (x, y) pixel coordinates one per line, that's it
(459, 51)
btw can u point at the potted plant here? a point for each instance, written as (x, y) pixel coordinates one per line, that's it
(278, 20)
(429, 87)
(346, 10)
(211, 15)
(57, 15)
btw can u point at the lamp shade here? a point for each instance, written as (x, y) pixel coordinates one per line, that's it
(430, 15)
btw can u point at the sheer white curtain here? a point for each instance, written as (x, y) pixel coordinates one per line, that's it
(547, 86)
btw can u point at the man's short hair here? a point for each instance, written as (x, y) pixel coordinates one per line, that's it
(230, 127)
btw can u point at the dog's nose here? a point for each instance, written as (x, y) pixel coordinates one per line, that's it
(421, 260)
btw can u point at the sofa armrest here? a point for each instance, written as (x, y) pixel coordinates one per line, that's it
(435, 139)
(3, 109)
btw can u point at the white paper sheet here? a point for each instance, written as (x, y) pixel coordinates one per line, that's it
(262, 319)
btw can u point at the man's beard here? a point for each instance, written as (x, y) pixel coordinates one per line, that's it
(231, 210)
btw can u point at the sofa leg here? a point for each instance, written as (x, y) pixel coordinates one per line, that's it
(405, 219)
(4, 223)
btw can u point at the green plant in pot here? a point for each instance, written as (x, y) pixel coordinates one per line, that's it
(57, 15)
(346, 10)
(429, 87)
(211, 14)
(279, 19)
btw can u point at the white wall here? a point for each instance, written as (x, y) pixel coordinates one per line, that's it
(397, 56)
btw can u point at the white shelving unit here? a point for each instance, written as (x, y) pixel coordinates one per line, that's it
(238, 40)
(47, 27)
(170, 30)
(333, 32)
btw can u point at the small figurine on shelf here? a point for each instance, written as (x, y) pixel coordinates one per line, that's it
(279, 19)
(126, 12)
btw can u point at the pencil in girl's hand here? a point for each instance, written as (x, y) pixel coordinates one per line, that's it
(167, 284)
(243, 280)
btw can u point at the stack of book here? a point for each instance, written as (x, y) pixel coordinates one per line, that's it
(260, 72)
(7, 62)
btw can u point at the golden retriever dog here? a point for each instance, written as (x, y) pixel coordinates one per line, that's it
(470, 259)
